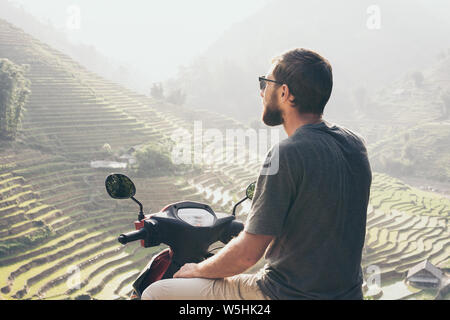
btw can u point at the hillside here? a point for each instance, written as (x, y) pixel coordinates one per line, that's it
(54, 210)
(414, 114)
(87, 55)
(361, 57)
(419, 152)
(55, 214)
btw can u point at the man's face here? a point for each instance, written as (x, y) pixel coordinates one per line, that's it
(272, 114)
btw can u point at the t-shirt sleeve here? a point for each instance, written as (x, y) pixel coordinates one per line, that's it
(273, 195)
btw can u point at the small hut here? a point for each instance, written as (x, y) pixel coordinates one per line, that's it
(425, 274)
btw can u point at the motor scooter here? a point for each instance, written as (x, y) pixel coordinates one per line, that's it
(188, 228)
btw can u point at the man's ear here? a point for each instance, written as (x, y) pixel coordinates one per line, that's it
(286, 94)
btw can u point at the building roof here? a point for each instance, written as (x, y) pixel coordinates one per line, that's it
(428, 266)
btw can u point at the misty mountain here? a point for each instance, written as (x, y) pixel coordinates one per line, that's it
(417, 136)
(368, 47)
(87, 55)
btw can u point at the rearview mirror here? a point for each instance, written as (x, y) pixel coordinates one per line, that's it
(119, 186)
(250, 190)
(248, 195)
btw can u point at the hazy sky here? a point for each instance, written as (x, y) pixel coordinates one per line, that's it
(158, 35)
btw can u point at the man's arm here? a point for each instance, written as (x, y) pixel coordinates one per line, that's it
(238, 255)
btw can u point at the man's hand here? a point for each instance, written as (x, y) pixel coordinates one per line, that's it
(189, 270)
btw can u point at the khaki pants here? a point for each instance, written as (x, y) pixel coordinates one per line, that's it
(240, 287)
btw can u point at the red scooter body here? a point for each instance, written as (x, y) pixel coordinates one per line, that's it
(153, 272)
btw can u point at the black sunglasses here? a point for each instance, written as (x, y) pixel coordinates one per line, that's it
(263, 84)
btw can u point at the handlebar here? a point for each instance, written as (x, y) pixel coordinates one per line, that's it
(132, 236)
(233, 230)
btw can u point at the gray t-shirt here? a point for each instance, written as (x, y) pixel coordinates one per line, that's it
(316, 207)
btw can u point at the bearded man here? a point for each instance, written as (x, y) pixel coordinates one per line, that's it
(308, 215)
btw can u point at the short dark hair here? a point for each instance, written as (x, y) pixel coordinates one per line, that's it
(309, 77)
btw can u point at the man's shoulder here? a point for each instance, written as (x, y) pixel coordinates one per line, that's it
(287, 146)
(336, 131)
(307, 138)
(351, 133)
(295, 143)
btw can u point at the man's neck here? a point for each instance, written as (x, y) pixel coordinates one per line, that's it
(294, 121)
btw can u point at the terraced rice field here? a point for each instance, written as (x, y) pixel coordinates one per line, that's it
(82, 237)
(57, 225)
(391, 194)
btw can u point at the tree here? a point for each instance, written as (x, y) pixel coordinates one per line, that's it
(446, 107)
(14, 92)
(418, 78)
(157, 91)
(153, 161)
(360, 95)
(177, 96)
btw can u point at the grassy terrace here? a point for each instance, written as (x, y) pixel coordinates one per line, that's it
(389, 193)
(70, 120)
(26, 282)
(17, 271)
(397, 241)
(40, 277)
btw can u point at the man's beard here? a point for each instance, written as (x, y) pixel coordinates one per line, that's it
(272, 115)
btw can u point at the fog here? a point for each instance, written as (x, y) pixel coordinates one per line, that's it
(151, 38)
(151, 41)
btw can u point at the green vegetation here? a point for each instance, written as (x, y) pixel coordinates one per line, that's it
(14, 91)
(157, 91)
(25, 242)
(153, 161)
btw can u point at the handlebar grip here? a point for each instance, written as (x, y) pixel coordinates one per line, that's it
(132, 236)
(236, 228)
(232, 231)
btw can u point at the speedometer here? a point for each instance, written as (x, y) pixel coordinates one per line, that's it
(196, 217)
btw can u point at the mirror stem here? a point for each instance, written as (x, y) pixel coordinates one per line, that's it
(141, 209)
(236, 205)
